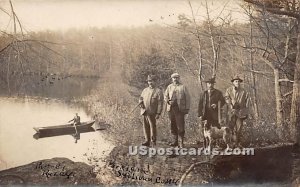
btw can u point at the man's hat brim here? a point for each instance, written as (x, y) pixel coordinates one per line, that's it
(151, 78)
(236, 79)
(175, 75)
(209, 81)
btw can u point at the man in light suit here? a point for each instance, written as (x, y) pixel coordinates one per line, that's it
(237, 99)
(177, 99)
(151, 101)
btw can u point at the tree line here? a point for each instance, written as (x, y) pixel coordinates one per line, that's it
(264, 51)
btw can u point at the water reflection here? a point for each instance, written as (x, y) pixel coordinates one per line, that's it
(17, 145)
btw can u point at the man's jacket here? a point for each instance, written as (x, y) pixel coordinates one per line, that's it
(238, 99)
(205, 103)
(152, 100)
(182, 97)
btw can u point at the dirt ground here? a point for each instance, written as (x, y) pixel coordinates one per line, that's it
(270, 166)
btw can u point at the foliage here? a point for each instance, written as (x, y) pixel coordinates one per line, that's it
(152, 62)
(160, 50)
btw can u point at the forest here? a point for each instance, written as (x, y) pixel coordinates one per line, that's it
(264, 51)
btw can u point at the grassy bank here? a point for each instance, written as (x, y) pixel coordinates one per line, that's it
(113, 100)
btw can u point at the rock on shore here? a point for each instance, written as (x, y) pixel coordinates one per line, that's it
(275, 165)
(55, 171)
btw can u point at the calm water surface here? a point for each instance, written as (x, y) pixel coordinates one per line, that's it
(18, 116)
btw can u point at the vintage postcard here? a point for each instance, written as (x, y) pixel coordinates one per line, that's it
(150, 92)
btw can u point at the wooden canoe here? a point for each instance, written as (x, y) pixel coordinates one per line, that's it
(67, 129)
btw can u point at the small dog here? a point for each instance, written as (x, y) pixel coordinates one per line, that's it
(212, 133)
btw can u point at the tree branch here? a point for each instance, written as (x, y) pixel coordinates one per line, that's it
(260, 72)
(274, 10)
(285, 80)
(287, 94)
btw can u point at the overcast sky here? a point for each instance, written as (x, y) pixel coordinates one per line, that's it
(63, 14)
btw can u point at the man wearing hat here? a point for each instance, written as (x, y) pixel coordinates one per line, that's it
(177, 99)
(237, 99)
(151, 106)
(210, 103)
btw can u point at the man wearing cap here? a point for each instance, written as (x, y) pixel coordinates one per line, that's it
(237, 99)
(177, 99)
(210, 103)
(151, 106)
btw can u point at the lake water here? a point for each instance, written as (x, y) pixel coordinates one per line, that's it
(53, 86)
(18, 116)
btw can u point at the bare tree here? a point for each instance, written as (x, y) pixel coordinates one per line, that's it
(272, 48)
(204, 39)
(253, 75)
(197, 34)
(291, 9)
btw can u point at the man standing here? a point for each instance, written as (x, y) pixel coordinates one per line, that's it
(210, 103)
(177, 99)
(151, 106)
(237, 99)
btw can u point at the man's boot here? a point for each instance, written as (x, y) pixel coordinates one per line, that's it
(153, 143)
(175, 142)
(146, 143)
(238, 142)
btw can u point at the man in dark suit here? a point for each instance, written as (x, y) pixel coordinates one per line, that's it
(210, 103)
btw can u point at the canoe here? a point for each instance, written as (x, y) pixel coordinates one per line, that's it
(66, 129)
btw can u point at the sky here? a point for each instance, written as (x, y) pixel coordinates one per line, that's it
(36, 15)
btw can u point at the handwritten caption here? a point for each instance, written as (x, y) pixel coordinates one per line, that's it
(140, 174)
(54, 170)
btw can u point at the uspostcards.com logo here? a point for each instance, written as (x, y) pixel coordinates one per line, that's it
(151, 151)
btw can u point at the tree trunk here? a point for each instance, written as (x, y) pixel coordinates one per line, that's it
(199, 46)
(254, 94)
(213, 44)
(278, 98)
(295, 108)
(253, 78)
(200, 65)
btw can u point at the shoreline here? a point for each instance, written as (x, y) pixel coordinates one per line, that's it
(88, 159)
(120, 168)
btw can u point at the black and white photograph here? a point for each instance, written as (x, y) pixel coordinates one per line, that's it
(150, 93)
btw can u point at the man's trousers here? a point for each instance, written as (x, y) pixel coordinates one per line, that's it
(150, 128)
(236, 125)
(177, 122)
